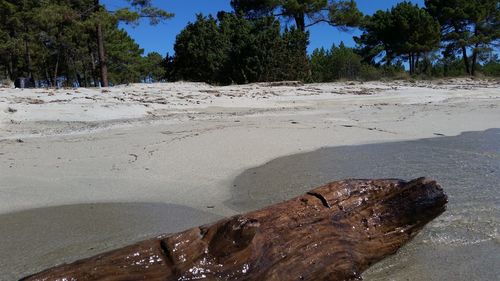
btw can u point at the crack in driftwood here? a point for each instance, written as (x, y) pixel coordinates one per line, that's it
(321, 198)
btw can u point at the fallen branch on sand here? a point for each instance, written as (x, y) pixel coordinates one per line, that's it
(334, 232)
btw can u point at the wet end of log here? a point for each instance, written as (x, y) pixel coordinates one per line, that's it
(333, 232)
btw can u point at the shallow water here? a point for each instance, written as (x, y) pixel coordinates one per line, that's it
(462, 244)
(34, 240)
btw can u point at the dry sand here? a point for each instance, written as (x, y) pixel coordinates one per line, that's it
(184, 143)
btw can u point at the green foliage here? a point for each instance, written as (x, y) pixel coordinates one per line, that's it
(154, 67)
(232, 49)
(124, 57)
(404, 31)
(343, 63)
(393, 71)
(337, 63)
(241, 63)
(346, 63)
(369, 72)
(142, 9)
(467, 25)
(416, 30)
(256, 8)
(492, 68)
(321, 70)
(454, 67)
(448, 67)
(293, 56)
(54, 41)
(343, 13)
(200, 51)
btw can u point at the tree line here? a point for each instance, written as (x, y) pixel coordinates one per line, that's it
(80, 43)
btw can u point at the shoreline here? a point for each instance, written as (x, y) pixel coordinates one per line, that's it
(67, 233)
(192, 155)
(466, 166)
(228, 183)
(186, 154)
(71, 232)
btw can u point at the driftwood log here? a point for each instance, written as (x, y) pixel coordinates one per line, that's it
(334, 232)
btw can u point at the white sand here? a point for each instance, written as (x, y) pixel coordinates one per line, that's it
(184, 143)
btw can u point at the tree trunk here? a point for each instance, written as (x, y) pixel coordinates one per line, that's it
(47, 78)
(427, 64)
(101, 51)
(334, 232)
(474, 60)
(29, 63)
(93, 70)
(410, 62)
(56, 70)
(415, 66)
(80, 81)
(466, 60)
(13, 67)
(388, 56)
(28, 59)
(300, 21)
(85, 79)
(102, 57)
(10, 68)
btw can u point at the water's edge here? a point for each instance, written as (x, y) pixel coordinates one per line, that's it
(33, 240)
(462, 244)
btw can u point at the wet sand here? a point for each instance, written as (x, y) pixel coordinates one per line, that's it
(34, 240)
(462, 244)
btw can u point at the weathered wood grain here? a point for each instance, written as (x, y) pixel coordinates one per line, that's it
(334, 232)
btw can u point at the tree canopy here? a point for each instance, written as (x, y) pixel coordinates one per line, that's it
(42, 38)
(337, 63)
(231, 49)
(80, 42)
(467, 25)
(404, 31)
(54, 42)
(304, 12)
(138, 9)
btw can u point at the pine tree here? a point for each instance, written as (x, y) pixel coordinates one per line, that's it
(232, 49)
(466, 25)
(54, 41)
(153, 67)
(337, 63)
(138, 9)
(305, 13)
(404, 31)
(200, 51)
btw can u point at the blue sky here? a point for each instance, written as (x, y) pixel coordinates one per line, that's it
(161, 38)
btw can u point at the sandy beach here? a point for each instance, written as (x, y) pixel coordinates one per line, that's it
(187, 145)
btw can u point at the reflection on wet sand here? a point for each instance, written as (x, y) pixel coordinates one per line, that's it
(37, 239)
